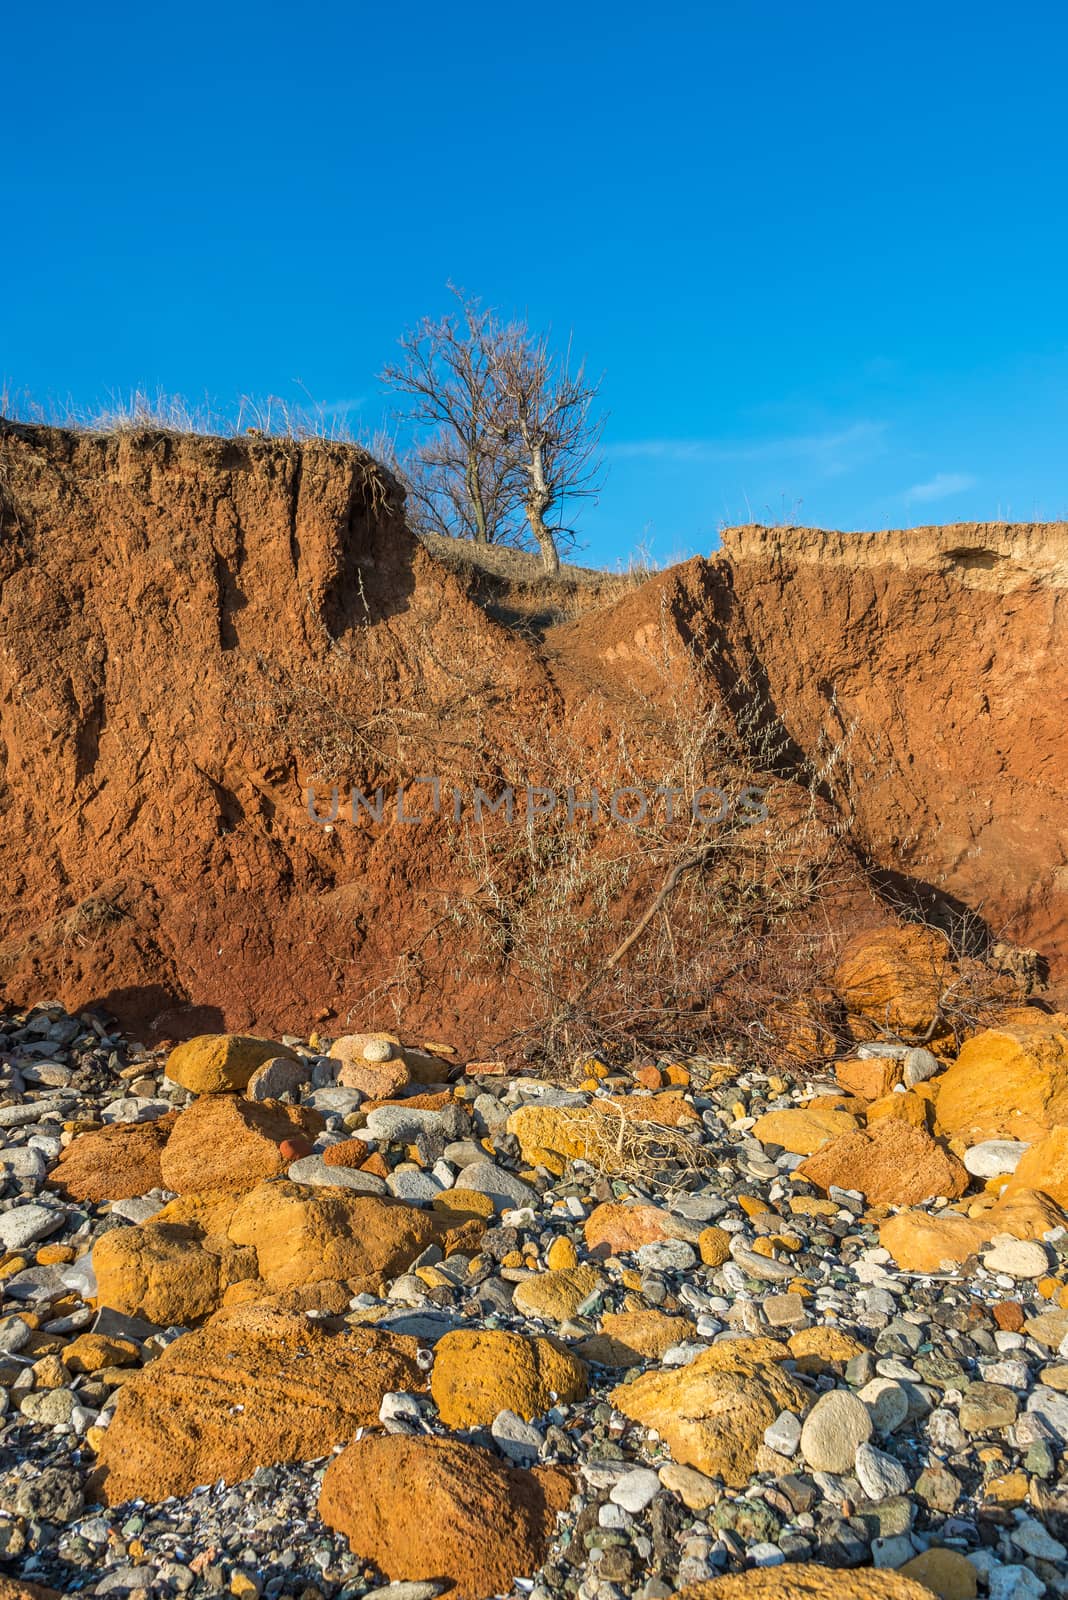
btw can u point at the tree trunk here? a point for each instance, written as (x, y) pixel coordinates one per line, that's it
(539, 500)
(550, 558)
(474, 494)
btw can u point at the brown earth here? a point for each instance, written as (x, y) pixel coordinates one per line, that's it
(194, 630)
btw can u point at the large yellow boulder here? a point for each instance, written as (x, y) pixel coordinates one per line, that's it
(167, 1272)
(1043, 1167)
(1009, 1082)
(807, 1581)
(221, 1063)
(891, 1163)
(478, 1374)
(802, 1130)
(254, 1387)
(713, 1413)
(223, 1141)
(302, 1234)
(895, 978)
(921, 1242)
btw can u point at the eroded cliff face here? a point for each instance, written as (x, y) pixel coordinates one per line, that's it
(943, 650)
(193, 630)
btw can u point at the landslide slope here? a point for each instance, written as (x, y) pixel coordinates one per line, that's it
(193, 630)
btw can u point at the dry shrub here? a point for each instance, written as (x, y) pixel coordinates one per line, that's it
(668, 934)
(654, 1158)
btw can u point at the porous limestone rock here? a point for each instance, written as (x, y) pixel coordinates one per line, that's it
(895, 978)
(225, 1141)
(115, 1163)
(807, 1581)
(1009, 1082)
(890, 1163)
(220, 1063)
(438, 1508)
(804, 1129)
(255, 1386)
(922, 1242)
(167, 1272)
(713, 1413)
(478, 1374)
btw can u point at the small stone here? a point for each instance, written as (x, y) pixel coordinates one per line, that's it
(503, 1188)
(947, 1574)
(24, 1225)
(696, 1491)
(887, 1403)
(1031, 1537)
(784, 1434)
(833, 1429)
(51, 1407)
(556, 1296)
(636, 1490)
(520, 1441)
(878, 1474)
(51, 1495)
(987, 1407)
(313, 1169)
(995, 1158)
(938, 1488)
(1019, 1258)
(715, 1246)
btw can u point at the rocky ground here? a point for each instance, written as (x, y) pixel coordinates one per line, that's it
(300, 1318)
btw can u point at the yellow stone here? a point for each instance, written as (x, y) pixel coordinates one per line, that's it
(948, 1574)
(900, 1108)
(807, 1205)
(242, 1586)
(556, 1296)
(434, 1278)
(92, 1351)
(466, 1200)
(561, 1254)
(714, 1245)
(13, 1265)
(1047, 1287)
(753, 1205)
(221, 1063)
(49, 1373)
(764, 1247)
(1008, 1490)
(513, 1259)
(631, 1279)
(481, 1372)
(94, 1437)
(824, 1344)
(54, 1255)
(803, 1130)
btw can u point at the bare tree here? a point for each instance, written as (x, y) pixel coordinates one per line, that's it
(548, 431)
(456, 476)
(509, 432)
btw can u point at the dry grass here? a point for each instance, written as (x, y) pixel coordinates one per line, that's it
(658, 1159)
(145, 410)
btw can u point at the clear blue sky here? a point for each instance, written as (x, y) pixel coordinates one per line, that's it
(819, 250)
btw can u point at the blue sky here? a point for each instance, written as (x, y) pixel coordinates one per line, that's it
(819, 251)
